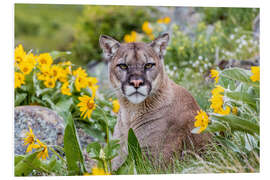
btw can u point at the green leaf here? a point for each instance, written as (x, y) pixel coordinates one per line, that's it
(128, 167)
(243, 97)
(94, 149)
(238, 124)
(52, 163)
(19, 97)
(238, 74)
(72, 148)
(18, 158)
(47, 99)
(26, 165)
(111, 149)
(63, 106)
(134, 149)
(217, 126)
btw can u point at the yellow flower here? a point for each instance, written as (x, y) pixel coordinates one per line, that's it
(127, 38)
(44, 153)
(217, 90)
(65, 89)
(45, 69)
(215, 74)
(30, 140)
(49, 82)
(160, 21)
(234, 110)
(19, 54)
(30, 58)
(19, 79)
(116, 106)
(99, 171)
(86, 174)
(79, 72)
(27, 64)
(81, 82)
(256, 73)
(41, 76)
(87, 105)
(151, 36)
(217, 101)
(63, 75)
(55, 71)
(146, 28)
(94, 90)
(167, 20)
(91, 81)
(26, 68)
(45, 59)
(201, 120)
(224, 112)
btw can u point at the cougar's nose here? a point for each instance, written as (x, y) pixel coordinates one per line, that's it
(135, 82)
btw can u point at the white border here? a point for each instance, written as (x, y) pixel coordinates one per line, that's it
(202, 3)
(7, 43)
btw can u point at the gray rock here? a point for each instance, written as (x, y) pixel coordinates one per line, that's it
(47, 126)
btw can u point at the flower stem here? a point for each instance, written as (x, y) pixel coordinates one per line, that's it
(107, 126)
(57, 154)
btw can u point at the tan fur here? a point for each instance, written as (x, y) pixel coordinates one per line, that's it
(164, 120)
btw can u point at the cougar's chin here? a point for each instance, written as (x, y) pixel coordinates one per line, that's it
(136, 96)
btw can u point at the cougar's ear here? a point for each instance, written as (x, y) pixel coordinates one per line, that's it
(108, 45)
(160, 44)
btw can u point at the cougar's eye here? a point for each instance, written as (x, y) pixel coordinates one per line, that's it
(149, 65)
(122, 66)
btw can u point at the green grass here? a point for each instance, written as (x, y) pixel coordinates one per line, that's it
(218, 158)
(45, 27)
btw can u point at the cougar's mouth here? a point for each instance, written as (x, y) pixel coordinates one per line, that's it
(136, 96)
(136, 93)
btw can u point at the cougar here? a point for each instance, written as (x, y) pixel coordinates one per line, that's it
(160, 112)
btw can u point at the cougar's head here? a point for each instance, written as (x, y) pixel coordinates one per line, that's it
(135, 69)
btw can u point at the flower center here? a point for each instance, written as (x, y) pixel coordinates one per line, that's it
(54, 72)
(90, 104)
(25, 69)
(43, 61)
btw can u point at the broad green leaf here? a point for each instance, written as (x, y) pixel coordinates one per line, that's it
(238, 124)
(243, 97)
(72, 145)
(27, 164)
(62, 106)
(134, 149)
(239, 74)
(19, 97)
(72, 150)
(17, 159)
